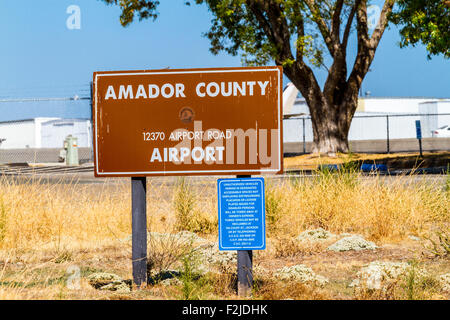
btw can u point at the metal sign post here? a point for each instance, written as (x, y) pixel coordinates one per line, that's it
(242, 223)
(139, 229)
(244, 267)
(245, 272)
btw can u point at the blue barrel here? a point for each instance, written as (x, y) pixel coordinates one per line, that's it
(367, 167)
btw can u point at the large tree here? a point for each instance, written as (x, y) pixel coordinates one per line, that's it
(300, 35)
(426, 22)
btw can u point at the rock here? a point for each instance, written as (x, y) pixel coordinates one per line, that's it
(445, 282)
(108, 281)
(300, 273)
(159, 277)
(376, 273)
(117, 286)
(315, 235)
(414, 238)
(354, 242)
(101, 279)
(260, 272)
(211, 259)
(209, 255)
(171, 282)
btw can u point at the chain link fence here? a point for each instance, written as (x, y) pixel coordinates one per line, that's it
(380, 133)
(34, 130)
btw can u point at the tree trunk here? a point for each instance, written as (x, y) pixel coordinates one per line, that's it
(331, 123)
(329, 138)
(331, 109)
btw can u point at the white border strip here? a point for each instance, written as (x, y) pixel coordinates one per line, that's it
(263, 233)
(188, 72)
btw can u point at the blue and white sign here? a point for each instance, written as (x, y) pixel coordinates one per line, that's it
(242, 224)
(418, 130)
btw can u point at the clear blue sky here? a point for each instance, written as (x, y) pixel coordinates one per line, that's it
(42, 57)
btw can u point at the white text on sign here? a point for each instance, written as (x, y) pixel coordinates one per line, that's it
(177, 90)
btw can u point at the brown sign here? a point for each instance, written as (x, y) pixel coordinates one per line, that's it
(225, 121)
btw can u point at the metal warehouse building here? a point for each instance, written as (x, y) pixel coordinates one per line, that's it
(376, 118)
(44, 133)
(44, 123)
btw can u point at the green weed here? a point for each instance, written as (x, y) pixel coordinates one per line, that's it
(194, 286)
(184, 203)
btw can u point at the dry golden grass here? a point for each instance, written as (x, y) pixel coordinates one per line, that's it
(45, 228)
(312, 161)
(407, 287)
(39, 214)
(376, 209)
(55, 216)
(289, 247)
(279, 290)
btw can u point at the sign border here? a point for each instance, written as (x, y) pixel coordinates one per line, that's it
(263, 200)
(98, 74)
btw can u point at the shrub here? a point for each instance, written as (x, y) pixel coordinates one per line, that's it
(184, 203)
(166, 250)
(194, 286)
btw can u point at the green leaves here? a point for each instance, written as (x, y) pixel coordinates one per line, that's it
(259, 30)
(426, 22)
(311, 48)
(144, 9)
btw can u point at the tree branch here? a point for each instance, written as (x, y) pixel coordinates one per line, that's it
(338, 71)
(300, 31)
(323, 28)
(264, 24)
(367, 46)
(362, 27)
(336, 21)
(348, 26)
(280, 26)
(382, 23)
(275, 26)
(365, 52)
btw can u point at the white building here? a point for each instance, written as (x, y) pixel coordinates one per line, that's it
(44, 133)
(389, 105)
(433, 117)
(386, 105)
(376, 117)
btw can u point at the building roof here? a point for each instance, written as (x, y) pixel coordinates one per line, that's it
(27, 109)
(44, 120)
